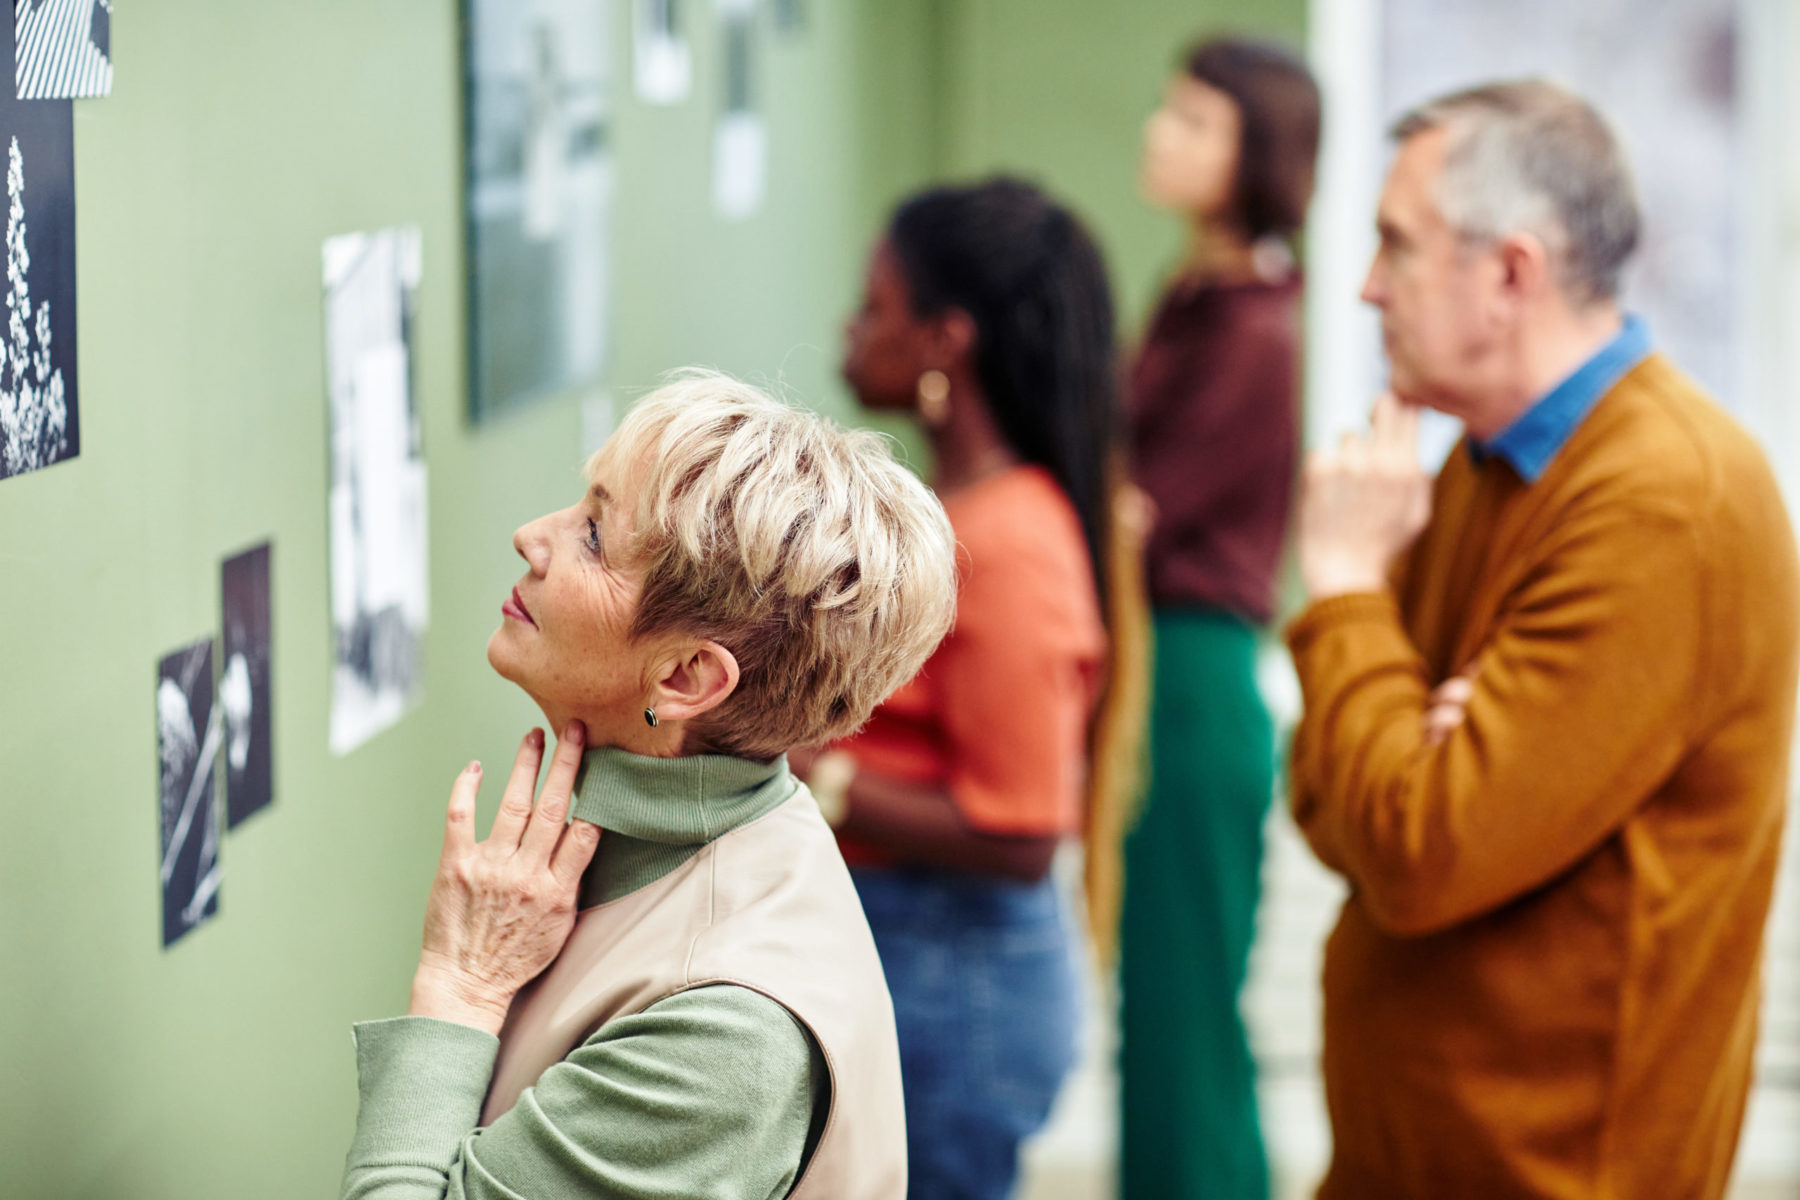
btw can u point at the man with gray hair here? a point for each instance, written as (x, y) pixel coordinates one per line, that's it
(1548, 698)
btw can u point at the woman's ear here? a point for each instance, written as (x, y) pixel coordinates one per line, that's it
(950, 340)
(697, 681)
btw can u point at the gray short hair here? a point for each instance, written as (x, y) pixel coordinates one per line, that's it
(1529, 157)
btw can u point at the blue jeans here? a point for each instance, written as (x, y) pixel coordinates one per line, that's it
(986, 1004)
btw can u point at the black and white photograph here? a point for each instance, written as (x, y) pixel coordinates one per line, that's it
(379, 590)
(38, 417)
(740, 139)
(245, 693)
(662, 63)
(65, 49)
(187, 736)
(540, 197)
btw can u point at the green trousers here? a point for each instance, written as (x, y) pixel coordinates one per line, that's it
(1192, 868)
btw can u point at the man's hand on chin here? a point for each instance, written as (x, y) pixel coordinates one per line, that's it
(1362, 504)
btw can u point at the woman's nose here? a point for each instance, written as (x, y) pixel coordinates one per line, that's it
(532, 546)
(1157, 129)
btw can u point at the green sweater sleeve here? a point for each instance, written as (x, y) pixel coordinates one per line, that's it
(710, 1094)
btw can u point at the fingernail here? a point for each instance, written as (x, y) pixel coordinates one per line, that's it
(537, 738)
(576, 731)
(474, 767)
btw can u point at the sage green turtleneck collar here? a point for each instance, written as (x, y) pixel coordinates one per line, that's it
(657, 812)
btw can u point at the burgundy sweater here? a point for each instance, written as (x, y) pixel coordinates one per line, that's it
(1215, 431)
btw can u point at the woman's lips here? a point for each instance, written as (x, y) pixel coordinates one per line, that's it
(515, 608)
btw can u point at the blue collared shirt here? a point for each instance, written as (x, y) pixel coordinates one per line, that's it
(1530, 442)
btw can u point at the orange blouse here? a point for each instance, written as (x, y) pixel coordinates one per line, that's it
(999, 714)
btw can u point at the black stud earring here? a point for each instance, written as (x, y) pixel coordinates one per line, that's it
(650, 717)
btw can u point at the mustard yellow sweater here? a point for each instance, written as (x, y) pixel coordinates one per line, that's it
(1545, 980)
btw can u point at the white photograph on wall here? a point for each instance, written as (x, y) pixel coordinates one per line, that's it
(379, 591)
(540, 197)
(741, 138)
(187, 738)
(662, 62)
(64, 49)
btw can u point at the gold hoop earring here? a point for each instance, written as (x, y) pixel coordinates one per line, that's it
(934, 398)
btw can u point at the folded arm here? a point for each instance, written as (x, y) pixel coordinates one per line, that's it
(1584, 703)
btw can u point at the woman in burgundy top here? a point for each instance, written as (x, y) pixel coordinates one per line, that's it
(1215, 436)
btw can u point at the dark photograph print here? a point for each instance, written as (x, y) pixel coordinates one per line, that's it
(539, 197)
(38, 425)
(244, 691)
(65, 48)
(187, 735)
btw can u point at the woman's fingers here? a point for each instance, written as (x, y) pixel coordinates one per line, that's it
(496, 919)
(515, 804)
(546, 825)
(575, 851)
(459, 821)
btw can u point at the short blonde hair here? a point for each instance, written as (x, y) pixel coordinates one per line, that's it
(825, 566)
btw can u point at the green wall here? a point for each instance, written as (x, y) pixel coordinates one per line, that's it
(240, 135)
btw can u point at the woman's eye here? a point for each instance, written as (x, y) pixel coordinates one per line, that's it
(593, 537)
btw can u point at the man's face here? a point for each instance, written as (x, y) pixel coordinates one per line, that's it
(1433, 287)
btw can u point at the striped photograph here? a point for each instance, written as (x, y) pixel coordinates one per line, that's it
(64, 48)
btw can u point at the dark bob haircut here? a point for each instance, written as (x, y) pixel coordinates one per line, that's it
(1278, 103)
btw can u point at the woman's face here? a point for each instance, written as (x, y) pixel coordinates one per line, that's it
(883, 341)
(564, 633)
(1191, 147)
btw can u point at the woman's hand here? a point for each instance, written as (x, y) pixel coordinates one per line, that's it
(500, 910)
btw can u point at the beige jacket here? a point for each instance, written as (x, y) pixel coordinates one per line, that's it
(767, 906)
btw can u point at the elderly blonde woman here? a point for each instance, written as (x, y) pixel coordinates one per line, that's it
(674, 993)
